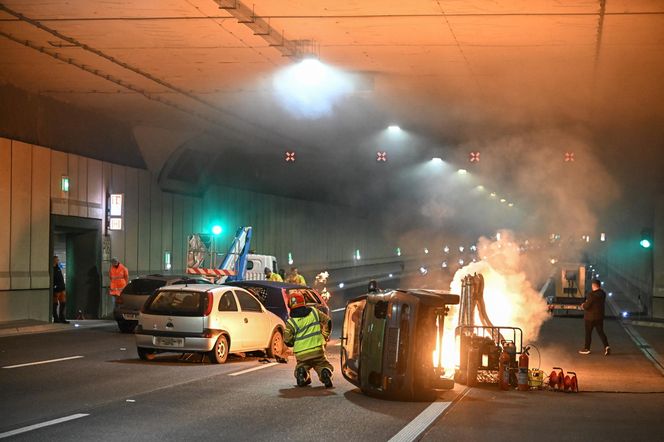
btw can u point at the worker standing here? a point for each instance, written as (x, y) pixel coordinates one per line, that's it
(307, 331)
(119, 277)
(593, 313)
(295, 278)
(271, 276)
(59, 293)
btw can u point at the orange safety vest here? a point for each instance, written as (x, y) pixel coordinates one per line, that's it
(119, 277)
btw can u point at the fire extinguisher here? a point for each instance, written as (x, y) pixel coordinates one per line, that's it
(522, 377)
(504, 370)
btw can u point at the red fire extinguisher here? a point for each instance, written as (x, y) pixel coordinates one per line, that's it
(522, 377)
(504, 370)
(574, 382)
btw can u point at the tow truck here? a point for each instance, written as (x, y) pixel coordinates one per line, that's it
(237, 264)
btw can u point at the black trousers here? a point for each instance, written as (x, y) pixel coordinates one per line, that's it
(598, 325)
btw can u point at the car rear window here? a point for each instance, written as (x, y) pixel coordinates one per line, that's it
(176, 303)
(142, 286)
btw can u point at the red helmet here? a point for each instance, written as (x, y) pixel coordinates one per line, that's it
(296, 300)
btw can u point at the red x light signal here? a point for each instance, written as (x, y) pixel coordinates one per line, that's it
(381, 157)
(289, 156)
(569, 157)
(474, 157)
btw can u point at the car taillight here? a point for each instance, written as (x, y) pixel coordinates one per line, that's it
(119, 300)
(208, 306)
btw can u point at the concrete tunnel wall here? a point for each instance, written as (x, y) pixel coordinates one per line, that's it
(319, 236)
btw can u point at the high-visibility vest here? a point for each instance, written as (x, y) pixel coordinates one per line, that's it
(275, 277)
(119, 277)
(308, 333)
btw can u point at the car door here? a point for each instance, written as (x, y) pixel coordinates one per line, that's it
(231, 319)
(256, 322)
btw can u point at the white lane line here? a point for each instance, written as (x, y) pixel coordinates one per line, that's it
(649, 352)
(42, 425)
(42, 362)
(338, 309)
(421, 423)
(249, 370)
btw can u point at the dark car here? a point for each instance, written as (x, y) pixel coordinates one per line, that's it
(274, 295)
(128, 304)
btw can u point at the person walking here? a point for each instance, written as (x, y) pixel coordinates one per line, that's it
(119, 277)
(593, 314)
(59, 293)
(295, 278)
(271, 276)
(307, 331)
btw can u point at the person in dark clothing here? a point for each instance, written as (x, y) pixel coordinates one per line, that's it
(59, 294)
(594, 316)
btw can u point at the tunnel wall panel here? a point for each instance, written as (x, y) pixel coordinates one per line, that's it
(20, 215)
(5, 211)
(40, 261)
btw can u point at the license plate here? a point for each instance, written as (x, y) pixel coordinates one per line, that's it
(168, 341)
(130, 316)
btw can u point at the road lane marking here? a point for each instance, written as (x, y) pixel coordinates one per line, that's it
(649, 352)
(421, 423)
(249, 370)
(42, 425)
(42, 362)
(338, 309)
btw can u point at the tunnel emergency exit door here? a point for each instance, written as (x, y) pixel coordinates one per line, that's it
(77, 242)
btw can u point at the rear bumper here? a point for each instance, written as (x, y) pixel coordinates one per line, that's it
(191, 343)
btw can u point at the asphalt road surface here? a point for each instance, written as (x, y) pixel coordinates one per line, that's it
(96, 388)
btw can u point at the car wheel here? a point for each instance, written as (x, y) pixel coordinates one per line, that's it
(126, 326)
(145, 353)
(276, 347)
(219, 352)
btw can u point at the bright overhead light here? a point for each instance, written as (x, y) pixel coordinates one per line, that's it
(462, 171)
(310, 89)
(480, 187)
(394, 128)
(511, 204)
(502, 200)
(437, 160)
(341, 285)
(492, 194)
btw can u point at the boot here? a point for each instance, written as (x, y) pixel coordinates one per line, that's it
(62, 313)
(302, 377)
(55, 312)
(326, 377)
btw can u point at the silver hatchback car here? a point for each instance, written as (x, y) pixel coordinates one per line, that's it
(212, 319)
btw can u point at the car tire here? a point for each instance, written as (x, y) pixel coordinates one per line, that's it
(145, 354)
(219, 352)
(276, 347)
(126, 326)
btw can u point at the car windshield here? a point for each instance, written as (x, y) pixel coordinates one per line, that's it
(143, 286)
(176, 303)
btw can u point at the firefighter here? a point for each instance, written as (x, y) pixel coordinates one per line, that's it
(59, 293)
(295, 278)
(307, 331)
(271, 276)
(119, 277)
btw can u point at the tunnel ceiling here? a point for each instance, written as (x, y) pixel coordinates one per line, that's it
(196, 82)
